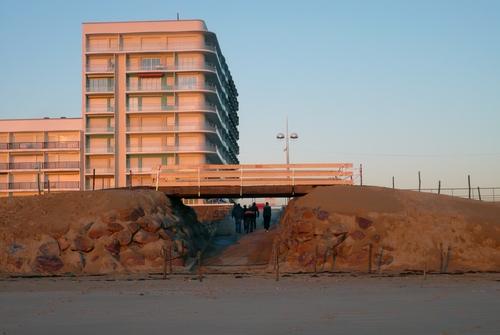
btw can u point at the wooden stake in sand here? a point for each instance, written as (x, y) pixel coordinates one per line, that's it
(277, 261)
(379, 262)
(468, 181)
(200, 274)
(393, 186)
(479, 193)
(446, 260)
(439, 187)
(164, 254)
(441, 259)
(316, 260)
(93, 179)
(170, 271)
(361, 174)
(370, 258)
(419, 182)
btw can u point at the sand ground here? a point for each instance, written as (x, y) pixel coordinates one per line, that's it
(229, 304)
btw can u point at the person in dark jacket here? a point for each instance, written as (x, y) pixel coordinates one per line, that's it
(247, 219)
(237, 214)
(266, 214)
(255, 215)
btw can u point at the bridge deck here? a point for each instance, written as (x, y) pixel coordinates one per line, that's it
(256, 180)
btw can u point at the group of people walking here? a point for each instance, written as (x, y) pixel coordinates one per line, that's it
(248, 215)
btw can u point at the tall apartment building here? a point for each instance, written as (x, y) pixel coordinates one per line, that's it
(153, 93)
(41, 153)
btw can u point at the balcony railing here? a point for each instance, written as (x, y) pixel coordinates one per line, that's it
(178, 67)
(100, 129)
(32, 186)
(101, 89)
(163, 87)
(172, 148)
(100, 170)
(156, 46)
(40, 145)
(100, 150)
(100, 109)
(40, 165)
(180, 127)
(159, 108)
(100, 68)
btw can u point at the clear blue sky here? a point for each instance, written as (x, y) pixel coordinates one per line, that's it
(399, 86)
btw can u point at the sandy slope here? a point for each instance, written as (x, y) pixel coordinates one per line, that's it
(407, 230)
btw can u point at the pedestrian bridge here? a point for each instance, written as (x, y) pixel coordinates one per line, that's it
(249, 180)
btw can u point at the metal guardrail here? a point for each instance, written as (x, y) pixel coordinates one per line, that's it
(178, 67)
(172, 148)
(150, 47)
(33, 186)
(40, 145)
(163, 87)
(40, 165)
(180, 127)
(477, 193)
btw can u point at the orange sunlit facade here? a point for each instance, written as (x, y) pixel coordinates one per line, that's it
(153, 93)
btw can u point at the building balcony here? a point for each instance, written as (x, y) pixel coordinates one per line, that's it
(105, 89)
(35, 146)
(166, 108)
(171, 149)
(99, 150)
(151, 47)
(171, 68)
(69, 165)
(100, 110)
(139, 170)
(158, 87)
(33, 186)
(100, 170)
(191, 127)
(102, 68)
(100, 130)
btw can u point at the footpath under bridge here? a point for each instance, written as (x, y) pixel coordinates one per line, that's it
(249, 180)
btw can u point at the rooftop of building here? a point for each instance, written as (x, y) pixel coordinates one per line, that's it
(144, 26)
(41, 124)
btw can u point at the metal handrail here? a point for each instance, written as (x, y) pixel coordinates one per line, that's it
(157, 46)
(178, 67)
(40, 165)
(40, 145)
(163, 87)
(43, 185)
(172, 148)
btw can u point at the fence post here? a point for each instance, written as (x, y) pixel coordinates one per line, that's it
(277, 261)
(48, 185)
(419, 182)
(361, 174)
(468, 181)
(199, 182)
(157, 177)
(479, 193)
(170, 271)
(379, 263)
(130, 183)
(439, 187)
(369, 258)
(393, 182)
(38, 183)
(164, 254)
(200, 275)
(93, 179)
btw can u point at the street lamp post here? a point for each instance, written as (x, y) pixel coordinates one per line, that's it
(287, 137)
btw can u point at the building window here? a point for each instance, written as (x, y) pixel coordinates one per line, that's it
(151, 63)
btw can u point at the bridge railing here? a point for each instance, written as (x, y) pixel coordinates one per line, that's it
(255, 175)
